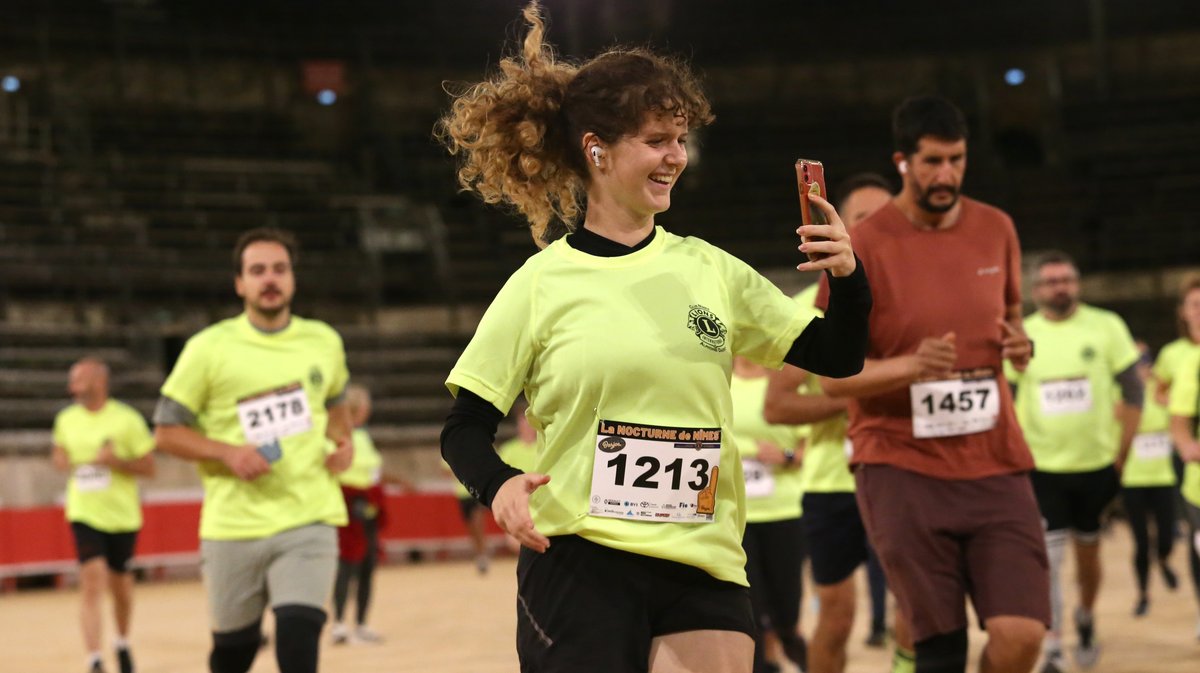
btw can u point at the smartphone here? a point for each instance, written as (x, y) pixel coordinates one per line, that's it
(810, 179)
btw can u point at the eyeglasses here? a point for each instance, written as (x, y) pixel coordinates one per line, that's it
(1060, 280)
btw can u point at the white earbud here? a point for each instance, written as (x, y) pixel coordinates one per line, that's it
(596, 151)
(903, 167)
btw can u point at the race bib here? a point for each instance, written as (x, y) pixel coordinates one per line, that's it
(275, 414)
(760, 483)
(963, 405)
(653, 473)
(1066, 396)
(1152, 446)
(92, 478)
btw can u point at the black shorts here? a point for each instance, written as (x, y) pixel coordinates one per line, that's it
(837, 540)
(1075, 500)
(585, 607)
(116, 548)
(467, 506)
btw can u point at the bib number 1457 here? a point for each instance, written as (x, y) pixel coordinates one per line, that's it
(957, 406)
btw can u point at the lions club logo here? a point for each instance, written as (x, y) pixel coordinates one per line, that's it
(708, 327)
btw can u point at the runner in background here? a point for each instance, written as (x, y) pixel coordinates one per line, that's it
(774, 538)
(1149, 489)
(258, 402)
(358, 541)
(1065, 404)
(1169, 360)
(836, 539)
(103, 445)
(940, 464)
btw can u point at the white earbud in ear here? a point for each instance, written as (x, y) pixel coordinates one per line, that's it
(596, 152)
(903, 167)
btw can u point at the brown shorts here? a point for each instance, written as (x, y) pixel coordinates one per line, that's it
(941, 541)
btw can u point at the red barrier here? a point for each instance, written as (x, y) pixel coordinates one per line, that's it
(38, 540)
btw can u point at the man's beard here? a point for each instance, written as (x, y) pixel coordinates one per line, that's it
(271, 311)
(926, 201)
(1060, 304)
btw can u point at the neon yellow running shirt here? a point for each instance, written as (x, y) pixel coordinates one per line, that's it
(644, 342)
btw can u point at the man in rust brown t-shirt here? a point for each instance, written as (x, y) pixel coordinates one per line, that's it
(940, 463)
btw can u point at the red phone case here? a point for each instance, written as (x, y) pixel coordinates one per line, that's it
(810, 179)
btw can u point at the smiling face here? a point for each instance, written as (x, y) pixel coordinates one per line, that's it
(266, 282)
(638, 171)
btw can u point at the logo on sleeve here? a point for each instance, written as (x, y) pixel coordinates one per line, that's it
(708, 327)
(315, 377)
(1088, 353)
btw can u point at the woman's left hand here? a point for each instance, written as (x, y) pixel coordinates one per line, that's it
(834, 253)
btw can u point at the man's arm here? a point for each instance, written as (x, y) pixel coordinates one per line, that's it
(1015, 345)
(59, 455)
(785, 405)
(174, 434)
(1181, 436)
(138, 467)
(339, 429)
(876, 378)
(933, 357)
(1129, 411)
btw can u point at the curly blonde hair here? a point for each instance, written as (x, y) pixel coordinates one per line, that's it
(518, 133)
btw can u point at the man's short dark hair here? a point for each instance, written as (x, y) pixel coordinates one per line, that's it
(921, 116)
(1055, 257)
(858, 181)
(271, 234)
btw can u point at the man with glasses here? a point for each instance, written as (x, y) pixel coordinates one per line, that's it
(1078, 433)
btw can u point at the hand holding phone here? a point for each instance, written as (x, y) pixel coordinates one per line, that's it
(810, 179)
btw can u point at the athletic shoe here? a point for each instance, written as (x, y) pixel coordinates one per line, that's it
(1141, 607)
(1087, 652)
(1054, 663)
(1169, 577)
(364, 634)
(481, 564)
(96, 667)
(877, 639)
(124, 660)
(339, 633)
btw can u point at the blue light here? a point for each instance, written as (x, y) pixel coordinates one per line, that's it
(10, 84)
(326, 97)
(1014, 76)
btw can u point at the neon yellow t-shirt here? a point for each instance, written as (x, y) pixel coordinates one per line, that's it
(647, 338)
(1171, 356)
(1066, 399)
(826, 467)
(1149, 461)
(366, 469)
(774, 493)
(1185, 401)
(230, 376)
(519, 454)
(102, 498)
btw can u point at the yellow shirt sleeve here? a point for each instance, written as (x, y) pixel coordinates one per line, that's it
(341, 373)
(765, 320)
(187, 383)
(137, 440)
(496, 362)
(57, 433)
(1186, 386)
